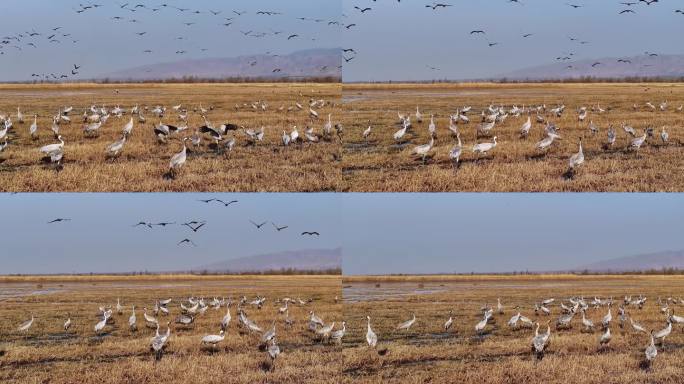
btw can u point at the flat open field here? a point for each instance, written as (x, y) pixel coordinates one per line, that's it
(428, 353)
(381, 163)
(143, 163)
(46, 353)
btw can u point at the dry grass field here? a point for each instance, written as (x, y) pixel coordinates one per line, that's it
(48, 354)
(427, 354)
(266, 166)
(381, 164)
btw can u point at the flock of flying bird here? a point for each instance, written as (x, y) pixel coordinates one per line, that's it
(194, 226)
(494, 116)
(627, 8)
(190, 309)
(185, 42)
(571, 311)
(223, 136)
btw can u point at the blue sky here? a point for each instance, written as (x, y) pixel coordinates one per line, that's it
(398, 41)
(393, 41)
(100, 237)
(379, 233)
(105, 45)
(460, 232)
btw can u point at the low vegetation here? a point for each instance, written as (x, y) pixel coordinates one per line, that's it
(379, 163)
(47, 353)
(428, 353)
(143, 164)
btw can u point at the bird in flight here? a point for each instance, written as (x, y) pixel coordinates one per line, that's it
(258, 225)
(278, 228)
(60, 220)
(187, 241)
(434, 6)
(310, 234)
(225, 204)
(196, 227)
(164, 224)
(363, 9)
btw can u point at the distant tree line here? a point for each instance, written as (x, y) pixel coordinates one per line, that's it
(197, 80)
(573, 80)
(585, 272)
(654, 271)
(286, 271)
(274, 272)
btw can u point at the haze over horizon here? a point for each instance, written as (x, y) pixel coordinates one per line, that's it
(494, 233)
(409, 41)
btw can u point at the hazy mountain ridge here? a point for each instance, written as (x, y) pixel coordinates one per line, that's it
(303, 260)
(643, 262)
(641, 66)
(306, 63)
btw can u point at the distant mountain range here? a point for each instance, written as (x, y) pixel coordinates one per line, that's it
(637, 66)
(300, 64)
(302, 260)
(649, 261)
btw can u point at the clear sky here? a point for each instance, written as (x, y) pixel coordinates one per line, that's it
(398, 41)
(447, 233)
(104, 45)
(100, 237)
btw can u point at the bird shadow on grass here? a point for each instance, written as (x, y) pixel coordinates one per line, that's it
(645, 365)
(427, 161)
(476, 161)
(537, 156)
(98, 339)
(569, 174)
(400, 146)
(604, 349)
(480, 338)
(370, 146)
(47, 161)
(210, 350)
(267, 366)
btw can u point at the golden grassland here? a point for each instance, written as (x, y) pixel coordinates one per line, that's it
(48, 354)
(382, 165)
(426, 353)
(267, 166)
